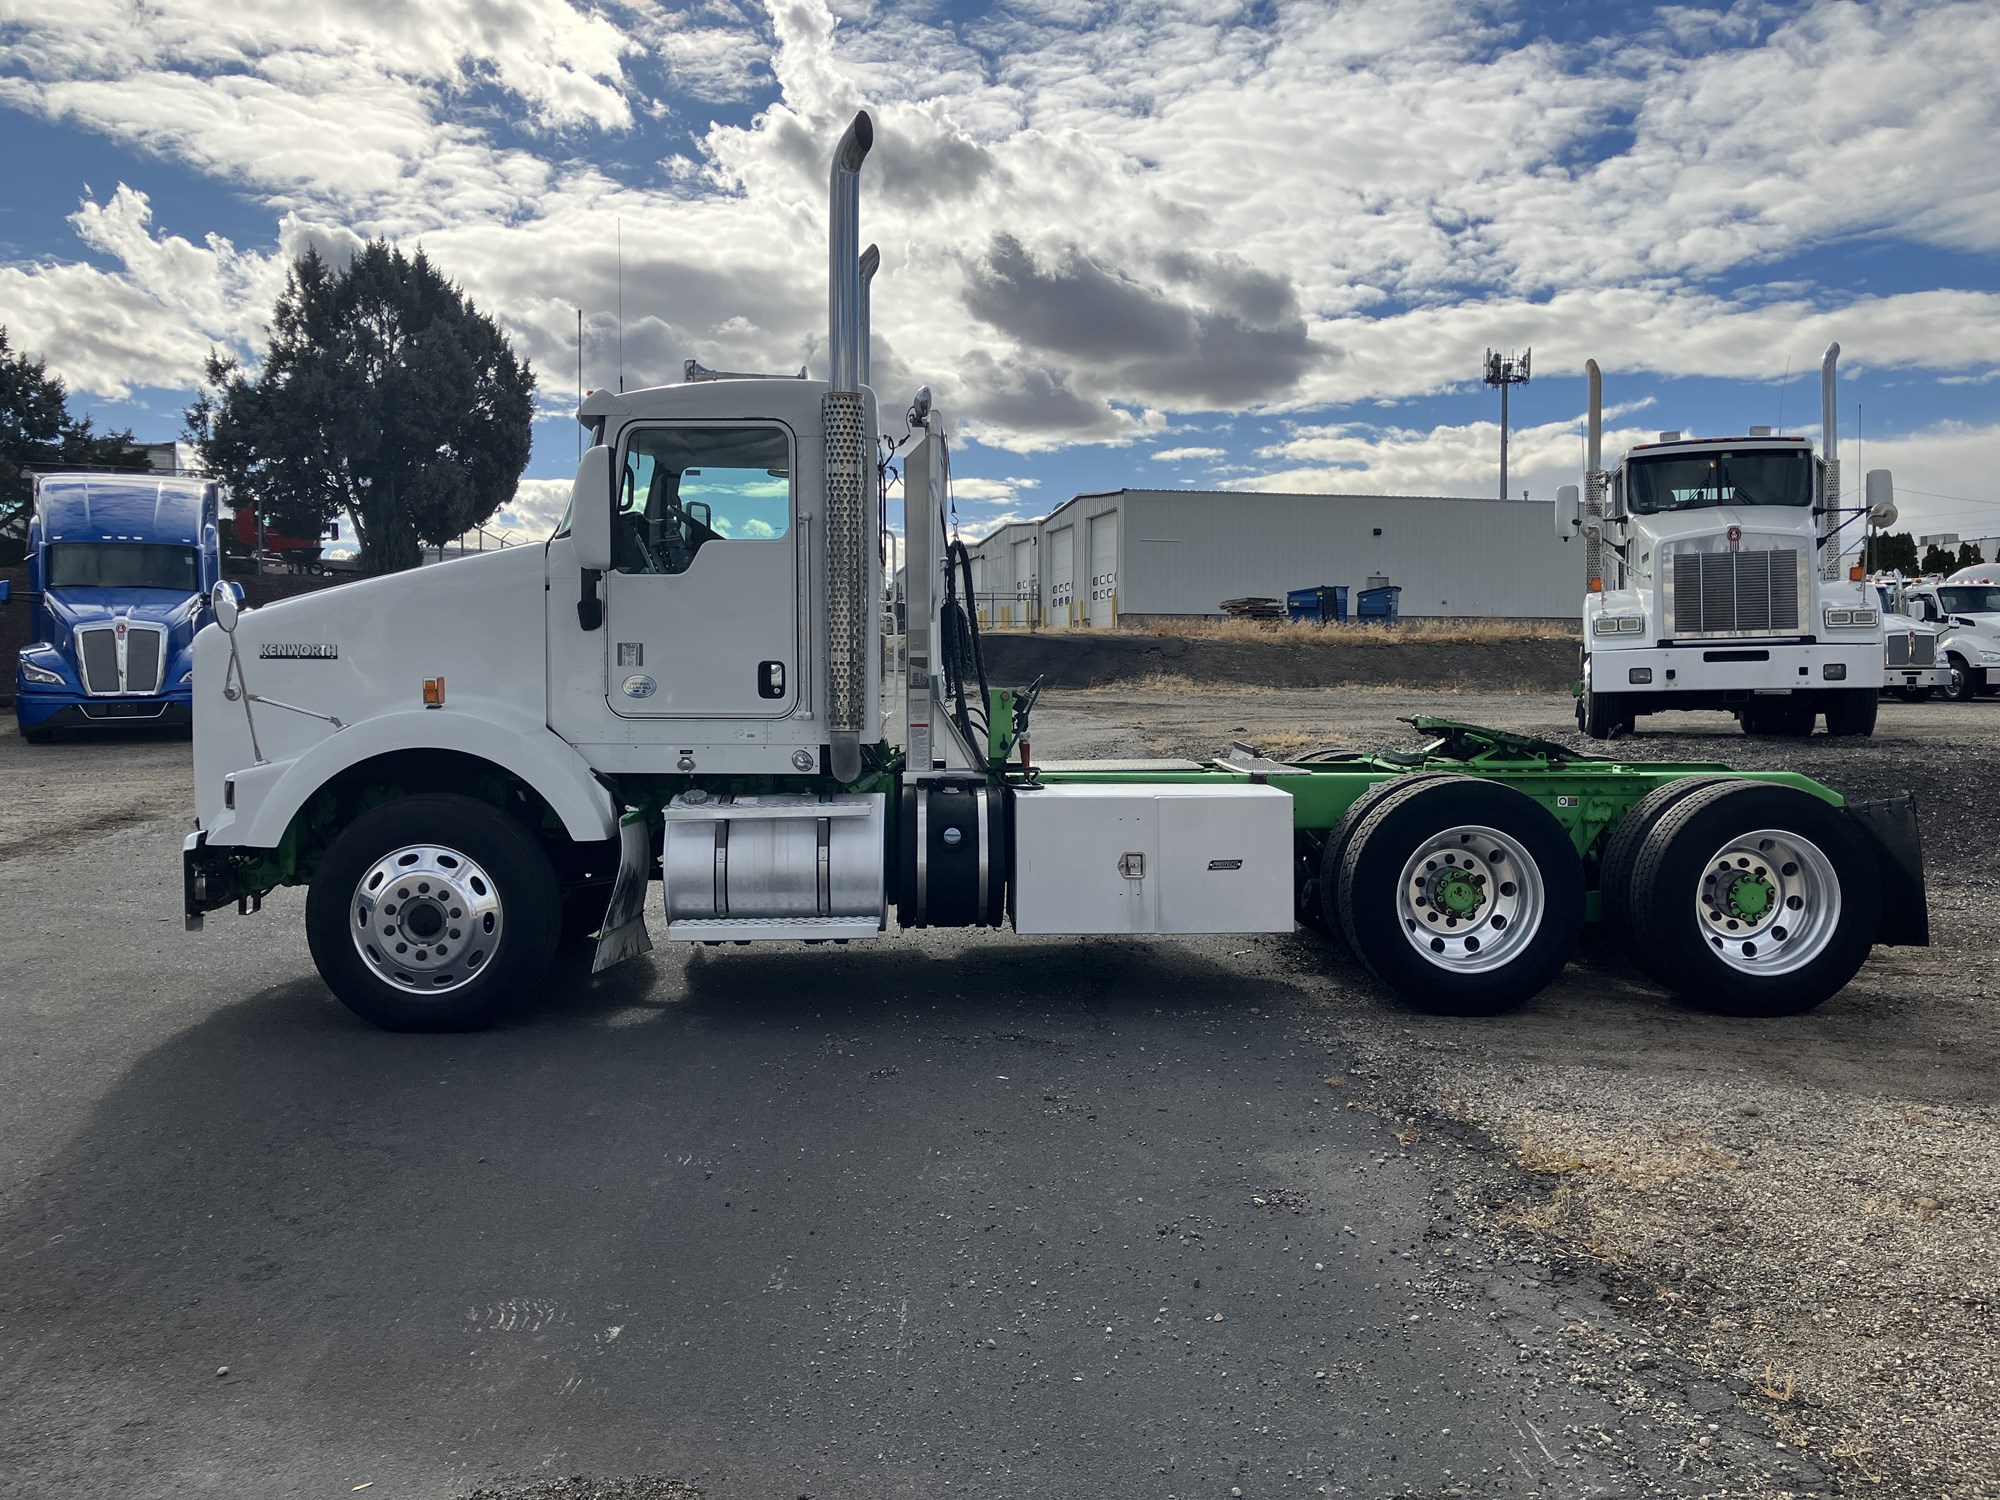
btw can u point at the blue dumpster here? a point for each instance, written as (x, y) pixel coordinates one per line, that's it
(1320, 604)
(1379, 606)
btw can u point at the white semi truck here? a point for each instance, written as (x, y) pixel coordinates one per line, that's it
(691, 687)
(1717, 580)
(1965, 609)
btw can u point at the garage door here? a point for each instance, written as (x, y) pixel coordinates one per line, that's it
(1104, 569)
(1062, 577)
(1024, 581)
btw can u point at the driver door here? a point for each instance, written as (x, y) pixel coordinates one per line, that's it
(701, 600)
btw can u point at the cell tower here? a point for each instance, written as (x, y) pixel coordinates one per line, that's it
(1505, 371)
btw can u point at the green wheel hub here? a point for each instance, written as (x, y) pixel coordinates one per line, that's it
(1457, 892)
(1749, 895)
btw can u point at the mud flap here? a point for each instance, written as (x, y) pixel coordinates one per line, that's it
(1891, 827)
(624, 932)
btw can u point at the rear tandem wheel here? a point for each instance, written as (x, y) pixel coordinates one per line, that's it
(1463, 896)
(1754, 900)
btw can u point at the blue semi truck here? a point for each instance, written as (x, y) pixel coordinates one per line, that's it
(120, 567)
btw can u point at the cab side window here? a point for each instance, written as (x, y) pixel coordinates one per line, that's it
(686, 487)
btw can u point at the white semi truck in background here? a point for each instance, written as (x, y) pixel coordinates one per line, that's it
(1717, 580)
(692, 685)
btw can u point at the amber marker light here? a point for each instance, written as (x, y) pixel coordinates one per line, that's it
(1855, 574)
(433, 692)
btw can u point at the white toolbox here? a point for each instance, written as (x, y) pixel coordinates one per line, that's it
(1165, 857)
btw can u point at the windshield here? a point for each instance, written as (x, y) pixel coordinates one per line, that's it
(123, 565)
(1970, 599)
(1705, 480)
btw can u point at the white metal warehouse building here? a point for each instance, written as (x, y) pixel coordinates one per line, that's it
(1143, 554)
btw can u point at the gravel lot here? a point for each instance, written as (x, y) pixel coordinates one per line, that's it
(1617, 1247)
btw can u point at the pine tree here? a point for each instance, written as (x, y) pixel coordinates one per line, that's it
(386, 397)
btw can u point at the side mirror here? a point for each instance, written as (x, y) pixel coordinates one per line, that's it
(702, 514)
(590, 510)
(1569, 511)
(1881, 498)
(223, 600)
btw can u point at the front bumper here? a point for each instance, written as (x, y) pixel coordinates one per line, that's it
(60, 710)
(1916, 677)
(1709, 667)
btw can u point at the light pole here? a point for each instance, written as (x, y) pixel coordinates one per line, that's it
(1504, 371)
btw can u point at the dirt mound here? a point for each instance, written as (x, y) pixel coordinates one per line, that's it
(1099, 660)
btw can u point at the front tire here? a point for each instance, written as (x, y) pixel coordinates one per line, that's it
(1755, 900)
(1965, 684)
(1603, 716)
(1852, 713)
(430, 913)
(1463, 896)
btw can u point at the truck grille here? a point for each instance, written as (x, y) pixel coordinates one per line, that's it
(1736, 593)
(99, 650)
(97, 645)
(1912, 648)
(142, 660)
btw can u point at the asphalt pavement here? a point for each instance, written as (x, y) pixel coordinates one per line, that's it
(944, 1214)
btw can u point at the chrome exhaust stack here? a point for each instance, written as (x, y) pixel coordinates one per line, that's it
(871, 262)
(849, 454)
(843, 271)
(1829, 423)
(1593, 479)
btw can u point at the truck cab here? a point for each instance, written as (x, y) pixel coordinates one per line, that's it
(121, 567)
(1718, 582)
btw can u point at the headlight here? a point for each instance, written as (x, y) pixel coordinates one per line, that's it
(1862, 619)
(1866, 617)
(33, 673)
(1618, 625)
(1989, 656)
(1840, 617)
(186, 678)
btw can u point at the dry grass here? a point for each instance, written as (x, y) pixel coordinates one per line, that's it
(1441, 632)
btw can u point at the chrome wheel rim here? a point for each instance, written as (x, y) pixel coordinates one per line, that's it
(425, 919)
(1470, 899)
(1768, 902)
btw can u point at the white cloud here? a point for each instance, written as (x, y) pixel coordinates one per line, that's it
(1092, 217)
(1185, 455)
(534, 512)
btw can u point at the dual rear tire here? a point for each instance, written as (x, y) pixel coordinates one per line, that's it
(1464, 896)
(1744, 898)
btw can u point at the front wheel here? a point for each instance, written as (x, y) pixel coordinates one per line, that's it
(1965, 683)
(1755, 900)
(1463, 896)
(430, 913)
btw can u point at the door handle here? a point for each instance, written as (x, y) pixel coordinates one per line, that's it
(770, 679)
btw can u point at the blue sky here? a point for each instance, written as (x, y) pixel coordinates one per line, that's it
(1199, 244)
